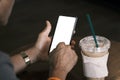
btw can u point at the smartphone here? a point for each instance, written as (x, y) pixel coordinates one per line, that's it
(64, 30)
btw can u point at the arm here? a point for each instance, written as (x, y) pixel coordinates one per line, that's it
(62, 60)
(18, 61)
(38, 52)
(5, 10)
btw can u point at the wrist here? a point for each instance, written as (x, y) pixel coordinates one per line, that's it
(26, 58)
(54, 78)
(32, 54)
(58, 73)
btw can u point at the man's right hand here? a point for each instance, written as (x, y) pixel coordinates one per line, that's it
(62, 60)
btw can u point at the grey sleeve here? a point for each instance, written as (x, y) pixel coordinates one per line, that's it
(6, 68)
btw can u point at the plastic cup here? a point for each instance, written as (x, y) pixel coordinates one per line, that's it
(95, 58)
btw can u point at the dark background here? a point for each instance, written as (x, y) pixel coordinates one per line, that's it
(28, 19)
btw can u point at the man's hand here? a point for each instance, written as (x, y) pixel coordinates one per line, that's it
(36, 52)
(62, 60)
(43, 42)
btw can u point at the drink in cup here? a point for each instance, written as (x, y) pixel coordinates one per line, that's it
(95, 58)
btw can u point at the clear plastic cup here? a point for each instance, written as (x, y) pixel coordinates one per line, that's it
(95, 58)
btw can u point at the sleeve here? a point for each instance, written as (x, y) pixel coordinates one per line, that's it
(6, 68)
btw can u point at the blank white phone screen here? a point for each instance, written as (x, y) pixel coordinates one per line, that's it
(64, 30)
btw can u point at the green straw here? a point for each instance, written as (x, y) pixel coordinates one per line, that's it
(92, 29)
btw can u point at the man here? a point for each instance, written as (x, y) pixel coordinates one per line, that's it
(60, 63)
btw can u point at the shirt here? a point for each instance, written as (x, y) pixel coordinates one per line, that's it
(6, 68)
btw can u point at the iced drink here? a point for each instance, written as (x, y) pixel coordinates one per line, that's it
(95, 58)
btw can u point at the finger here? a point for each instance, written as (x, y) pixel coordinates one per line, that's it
(73, 44)
(60, 45)
(47, 30)
(50, 38)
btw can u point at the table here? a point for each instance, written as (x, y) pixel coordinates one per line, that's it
(39, 71)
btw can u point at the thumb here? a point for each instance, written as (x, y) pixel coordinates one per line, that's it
(47, 30)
